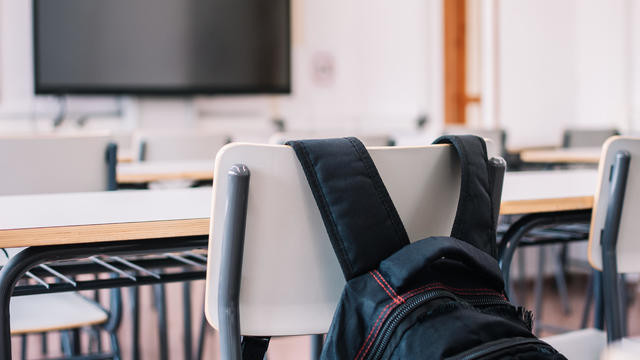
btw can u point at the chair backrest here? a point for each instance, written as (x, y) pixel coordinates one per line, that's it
(368, 139)
(124, 139)
(628, 244)
(497, 146)
(180, 145)
(586, 137)
(54, 163)
(291, 280)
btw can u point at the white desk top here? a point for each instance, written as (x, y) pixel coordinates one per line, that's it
(543, 191)
(27, 220)
(583, 155)
(103, 216)
(148, 171)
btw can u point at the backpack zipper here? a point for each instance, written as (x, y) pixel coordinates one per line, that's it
(399, 313)
(492, 347)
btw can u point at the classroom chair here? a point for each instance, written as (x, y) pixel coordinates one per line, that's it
(368, 139)
(178, 145)
(613, 246)
(124, 140)
(271, 269)
(55, 164)
(580, 137)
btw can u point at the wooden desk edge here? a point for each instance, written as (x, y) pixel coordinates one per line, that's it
(145, 178)
(578, 158)
(190, 227)
(546, 205)
(103, 232)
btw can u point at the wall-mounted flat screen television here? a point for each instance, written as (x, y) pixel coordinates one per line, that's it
(161, 46)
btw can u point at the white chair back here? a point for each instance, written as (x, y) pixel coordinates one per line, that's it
(124, 140)
(175, 146)
(291, 280)
(53, 164)
(368, 139)
(586, 137)
(628, 245)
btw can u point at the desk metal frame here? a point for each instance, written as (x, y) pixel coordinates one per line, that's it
(610, 307)
(34, 256)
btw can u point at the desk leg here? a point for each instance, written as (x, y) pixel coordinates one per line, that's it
(33, 256)
(134, 311)
(186, 311)
(15, 268)
(161, 309)
(523, 226)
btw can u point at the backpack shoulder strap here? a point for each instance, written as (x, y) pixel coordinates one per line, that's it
(474, 222)
(361, 220)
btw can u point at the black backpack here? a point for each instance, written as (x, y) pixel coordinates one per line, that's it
(437, 298)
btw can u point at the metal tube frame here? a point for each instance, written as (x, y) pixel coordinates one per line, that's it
(34, 256)
(233, 247)
(613, 308)
(519, 229)
(231, 263)
(522, 227)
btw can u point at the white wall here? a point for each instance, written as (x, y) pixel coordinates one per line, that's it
(567, 63)
(385, 58)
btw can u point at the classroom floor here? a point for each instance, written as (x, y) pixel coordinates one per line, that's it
(295, 348)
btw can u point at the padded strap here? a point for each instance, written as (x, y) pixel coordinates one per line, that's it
(361, 220)
(474, 222)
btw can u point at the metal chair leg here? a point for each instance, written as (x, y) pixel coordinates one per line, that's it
(598, 301)
(134, 311)
(624, 304)
(115, 346)
(161, 307)
(75, 342)
(539, 289)
(588, 302)
(186, 309)
(43, 343)
(522, 276)
(316, 346)
(115, 318)
(202, 335)
(561, 282)
(23, 344)
(65, 343)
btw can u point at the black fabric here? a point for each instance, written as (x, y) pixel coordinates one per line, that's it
(434, 298)
(254, 347)
(401, 268)
(360, 218)
(474, 218)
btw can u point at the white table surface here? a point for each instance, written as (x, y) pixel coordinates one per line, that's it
(103, 216)
(528, 185)
(554, 190)
(78, 213)
(107, 207)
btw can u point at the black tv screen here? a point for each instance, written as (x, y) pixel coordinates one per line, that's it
(161, 46)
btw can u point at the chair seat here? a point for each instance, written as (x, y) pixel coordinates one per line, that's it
(50, 312)
(625, 349)
(582, 344)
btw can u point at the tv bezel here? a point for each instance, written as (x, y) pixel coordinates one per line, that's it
(39, 89)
